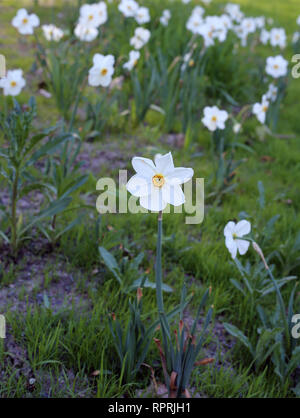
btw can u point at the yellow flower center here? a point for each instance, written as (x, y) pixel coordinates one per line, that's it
(214, 119)
(234, 236)
(104, 71)
(25, 20)
(13, 83)
(91, 17)
(265, 108)
(276, 67)
(191, 63)
(158, 180)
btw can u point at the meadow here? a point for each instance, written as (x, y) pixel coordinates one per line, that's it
(145, 304)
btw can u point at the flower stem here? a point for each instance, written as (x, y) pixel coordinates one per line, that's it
(158, 273)
(279, 296)
(14, 213)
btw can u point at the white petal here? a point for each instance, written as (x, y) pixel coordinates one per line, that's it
(242, 228)
(164, 163)
(144, 166)
(229, 229)
(139, 186)
(154, 201)
(242, 246)
(179, 175)
(173, 194)
(231, 246)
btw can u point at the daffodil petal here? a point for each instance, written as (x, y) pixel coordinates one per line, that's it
(231, 246)
(173, 194)
(144, 166)
(179, 175)
(242, 246)
(154, 201)
(139, 186)
(164, 163)
(242, 228)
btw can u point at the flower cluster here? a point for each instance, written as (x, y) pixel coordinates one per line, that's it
(91, 17)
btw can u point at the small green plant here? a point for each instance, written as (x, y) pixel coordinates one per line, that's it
(18, 157)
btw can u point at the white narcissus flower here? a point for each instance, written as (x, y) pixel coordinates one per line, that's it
(276, 66)
(166, 16)
(260, 110)
(232, 233)
(214, 118)
(158, 184)
(128, 7)
(236, 128)
(133, 59)
(140, 38)
(142, 15)
(296, 37)
(92, 15)
(194, 23)
(13, 83)
(52, 33)
(85, 33)
(278, 37)
(102, 12)
(264, 36)
(248, 24)
(272, 92)
(24, 22)
(102, 71)
(234, 12)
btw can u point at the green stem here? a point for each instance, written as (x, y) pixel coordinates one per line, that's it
(14, 212)
(279, 296)
(158, 273)
(282, 307)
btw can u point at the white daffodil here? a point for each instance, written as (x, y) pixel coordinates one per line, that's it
(214, 118)
(52, 33)
(198, 10)
(133, 59)
(194, 23)
(140, 38)
(260, 22)
(166, 16)
(25, 23)
(158, 184)
(85, 33)
(296, 37)
(276, 66)
(234, 12)
(89, 16)
(101, 12)
(13, 83)
(232, 233)
(102, 71)
(128, 8)
(272, 92)
(142, 15)
(241, 33)
(264, 37)
(278, 37)
(260, 110)
(248, 24)
(236, 128)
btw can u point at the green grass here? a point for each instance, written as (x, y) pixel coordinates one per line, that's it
(62, 345)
